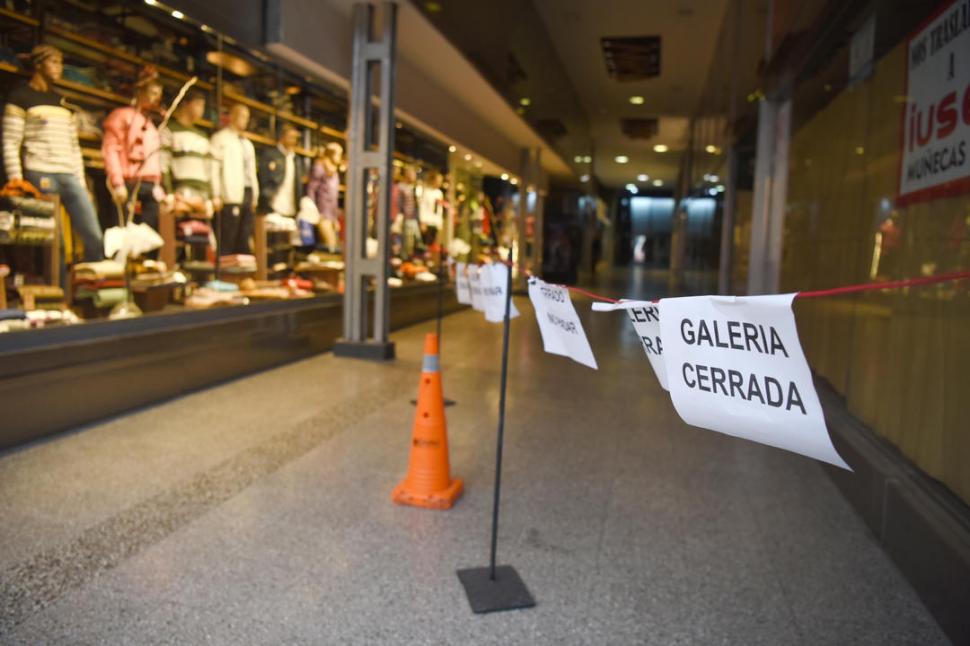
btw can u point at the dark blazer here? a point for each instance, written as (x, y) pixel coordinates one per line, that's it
(271, 171)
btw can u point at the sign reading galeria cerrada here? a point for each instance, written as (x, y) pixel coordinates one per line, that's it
(935, 159)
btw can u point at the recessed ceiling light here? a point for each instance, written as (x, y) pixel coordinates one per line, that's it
(621, 159)
(513, 181)
(452, 149)
(720, 188)
(657, 182)
(660, 148)
(712, 192)
(860, 150)
(525, 102)
(178, 14)
(642, 177)
(713, 178)
(505, 176)
(207, 29)
(636, 100)
(632, 188)
(468, 157)
(151, 3)
(711, 148)
(578, 159)
(587, 159)
(584, 178)
(478, 164)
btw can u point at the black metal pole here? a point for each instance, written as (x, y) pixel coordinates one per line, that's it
(501, 417)
(441, 288)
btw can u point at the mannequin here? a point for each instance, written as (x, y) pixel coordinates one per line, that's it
(408, 210)
(234, 182)
(280, 174)
(40, 145)
(187, 160)
(324, 189)
(431, 208)
(131, 150)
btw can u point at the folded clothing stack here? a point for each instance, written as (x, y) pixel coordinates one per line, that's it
(102, 283)
(276, 222)
(44, 297)
(26, 220)
(238, 263)
(101, 270)
(204, 298)
(194, 231)
(12, 320)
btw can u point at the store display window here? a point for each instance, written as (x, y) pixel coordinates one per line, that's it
(153, 165)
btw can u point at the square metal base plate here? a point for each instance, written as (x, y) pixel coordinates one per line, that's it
(506, 592)
(372, 350)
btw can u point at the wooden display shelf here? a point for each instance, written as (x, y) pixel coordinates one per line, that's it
(96, 45)
(19, 17)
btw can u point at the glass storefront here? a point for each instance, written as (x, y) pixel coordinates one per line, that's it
(234, 197)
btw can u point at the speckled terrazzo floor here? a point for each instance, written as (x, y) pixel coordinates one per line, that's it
(258, 512)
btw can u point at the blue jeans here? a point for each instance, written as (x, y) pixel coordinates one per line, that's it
(74, 198)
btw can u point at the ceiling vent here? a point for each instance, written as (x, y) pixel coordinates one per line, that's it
(640, 128)
(632, 58)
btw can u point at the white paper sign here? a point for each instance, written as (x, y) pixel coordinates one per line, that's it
(562, 332)
(462, 288)
(475, 288)
(735, 366)
(645, 317)
(494, 279)
(936, 121)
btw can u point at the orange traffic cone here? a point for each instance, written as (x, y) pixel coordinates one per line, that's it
(428, 482)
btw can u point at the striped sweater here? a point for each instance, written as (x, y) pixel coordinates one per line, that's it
(39, 126)
(186, 158)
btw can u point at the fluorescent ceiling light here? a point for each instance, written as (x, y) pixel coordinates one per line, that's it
(621, 159)
(660, 148)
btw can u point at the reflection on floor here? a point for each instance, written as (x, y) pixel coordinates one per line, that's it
(259, 512)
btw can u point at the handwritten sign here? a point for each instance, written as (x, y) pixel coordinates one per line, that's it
(562, 332)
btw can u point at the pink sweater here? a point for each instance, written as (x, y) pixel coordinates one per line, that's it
(130, 147)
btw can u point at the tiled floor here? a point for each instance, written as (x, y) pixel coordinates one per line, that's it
(259, 512)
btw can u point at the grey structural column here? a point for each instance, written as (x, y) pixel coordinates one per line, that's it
(770, 189)
(770, 186)
(730, 200)
(369, 177)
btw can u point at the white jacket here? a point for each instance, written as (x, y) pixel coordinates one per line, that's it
(229, 152)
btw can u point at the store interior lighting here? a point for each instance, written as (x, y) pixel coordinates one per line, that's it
(660, 148)
(621, 159)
